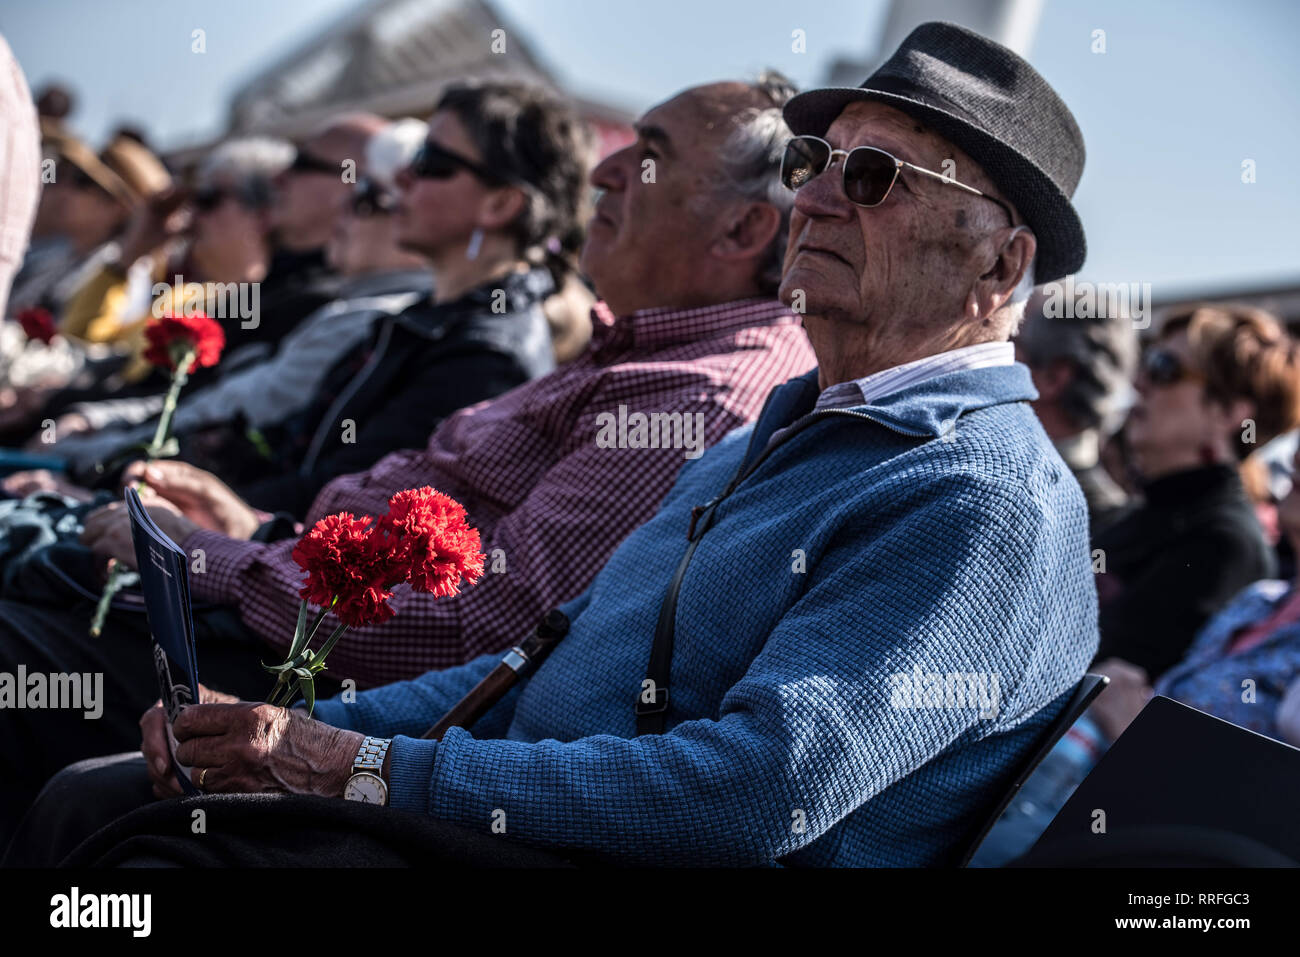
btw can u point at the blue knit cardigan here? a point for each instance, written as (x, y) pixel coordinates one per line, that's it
(879, 578)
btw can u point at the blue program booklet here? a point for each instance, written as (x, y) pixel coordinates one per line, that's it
(165, 584)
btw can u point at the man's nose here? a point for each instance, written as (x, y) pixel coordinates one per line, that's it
(609, 173)
(823, 195)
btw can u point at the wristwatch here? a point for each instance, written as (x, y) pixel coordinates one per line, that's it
(366, 784)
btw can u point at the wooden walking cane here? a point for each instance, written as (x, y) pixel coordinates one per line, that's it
(518, 663)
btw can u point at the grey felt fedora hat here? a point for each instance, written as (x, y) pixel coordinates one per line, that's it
(989, 102)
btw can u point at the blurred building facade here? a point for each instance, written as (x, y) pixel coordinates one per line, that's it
(394, 57)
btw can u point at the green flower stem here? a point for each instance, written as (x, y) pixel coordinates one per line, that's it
(111, 587)
(113, 584)
(287, 682)
(179, 378)
(318, 663)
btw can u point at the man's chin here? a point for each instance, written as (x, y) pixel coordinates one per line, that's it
(592, 259)
(803, 291)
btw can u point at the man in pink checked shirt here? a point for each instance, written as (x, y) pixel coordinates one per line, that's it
(685, 249)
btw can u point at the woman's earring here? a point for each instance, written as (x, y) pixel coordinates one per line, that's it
(475, 244)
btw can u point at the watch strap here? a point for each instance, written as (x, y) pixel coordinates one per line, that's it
(370, 756)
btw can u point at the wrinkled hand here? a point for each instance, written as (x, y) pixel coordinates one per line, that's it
(23, 484)
(200, 496)
(1127, 694)
(153, 742)
(250, 748)
(107, 530)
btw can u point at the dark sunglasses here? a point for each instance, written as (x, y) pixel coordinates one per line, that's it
(868, 173)
(79, 179)
(306, 163)
(431, 161)
(209, 198)
(1164, 367)
(371, 199)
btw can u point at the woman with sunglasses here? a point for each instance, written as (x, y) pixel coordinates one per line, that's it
(1218, 383)
(497, 188)
(487, 201)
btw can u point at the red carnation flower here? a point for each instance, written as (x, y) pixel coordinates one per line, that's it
(38, 323)
(426, 530)
(343, 559)
(172, 336)
(352, 565)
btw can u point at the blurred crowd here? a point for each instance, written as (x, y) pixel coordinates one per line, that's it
(378, 277)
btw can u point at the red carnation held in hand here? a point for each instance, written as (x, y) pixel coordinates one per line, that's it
(37, 323)
(342, 562)
(427, 531)
(352, 565)
(171, 336)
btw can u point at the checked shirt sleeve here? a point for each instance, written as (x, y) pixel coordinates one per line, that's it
(809, 727)
(553, 545)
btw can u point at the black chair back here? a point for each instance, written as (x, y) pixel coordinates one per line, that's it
(1085, 691)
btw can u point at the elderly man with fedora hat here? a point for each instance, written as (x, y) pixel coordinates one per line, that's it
(848, 625)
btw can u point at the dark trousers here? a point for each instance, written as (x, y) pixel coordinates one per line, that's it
(101, 813)
(78, 801)
(37, 743)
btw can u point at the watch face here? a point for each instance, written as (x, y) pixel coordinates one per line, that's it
(367, 788)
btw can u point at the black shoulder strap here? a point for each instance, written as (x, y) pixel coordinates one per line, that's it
(785, 405)
(652, 700)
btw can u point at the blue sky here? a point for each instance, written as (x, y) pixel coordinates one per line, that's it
(1186, 91)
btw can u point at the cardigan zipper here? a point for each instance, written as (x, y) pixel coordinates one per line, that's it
(699, 511)
(651, 716)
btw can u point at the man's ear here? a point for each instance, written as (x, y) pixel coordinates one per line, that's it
(748, 231)
(1013, 256)
(501, 207)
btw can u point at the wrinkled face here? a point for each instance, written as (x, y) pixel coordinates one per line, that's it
(652, 229)
(914, 255)
(436, 215)
(1172, 422)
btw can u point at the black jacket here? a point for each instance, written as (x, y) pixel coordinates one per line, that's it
(418, 367)
(1175, 560)
(295, 286)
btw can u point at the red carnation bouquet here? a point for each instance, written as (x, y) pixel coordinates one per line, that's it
(353, 565)
(182, 344)
(38, 324)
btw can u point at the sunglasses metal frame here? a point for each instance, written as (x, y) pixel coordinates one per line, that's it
(832, 152)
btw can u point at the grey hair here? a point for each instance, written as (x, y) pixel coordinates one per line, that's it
(247, 166)
(751, 166)
(1019, 301)
(1103, 352)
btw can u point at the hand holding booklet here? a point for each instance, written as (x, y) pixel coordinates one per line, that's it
(165, 583)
